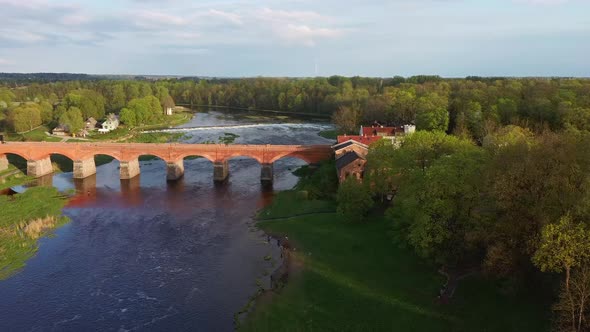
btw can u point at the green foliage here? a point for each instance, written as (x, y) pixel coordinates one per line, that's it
(228, 138)
(25, 117)
(319, 182)
(128, 117)
(436, 210)
(147, 110)
(46, 110)
(563, 245)
(72, 120)
(354, 200)
(91, 103)
(432, 113)
(329, 134)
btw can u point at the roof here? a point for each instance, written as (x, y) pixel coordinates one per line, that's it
(347, 158)
(348, 143)
(60, 128)
(371, 131)
(366, 140)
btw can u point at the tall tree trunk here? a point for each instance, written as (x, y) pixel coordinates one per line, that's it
(571, 300)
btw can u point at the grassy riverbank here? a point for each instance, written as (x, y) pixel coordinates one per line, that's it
(25, 218)
(355, 279)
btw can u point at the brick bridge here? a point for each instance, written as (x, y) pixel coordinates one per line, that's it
(38, 155)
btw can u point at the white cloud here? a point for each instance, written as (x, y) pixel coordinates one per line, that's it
(231, 17)
(153, 19)
(5, 62)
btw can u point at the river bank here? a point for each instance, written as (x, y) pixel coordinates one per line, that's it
(353, 278)
(25, 219)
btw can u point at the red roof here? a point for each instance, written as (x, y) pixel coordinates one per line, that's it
(384, 131)
(367, 140)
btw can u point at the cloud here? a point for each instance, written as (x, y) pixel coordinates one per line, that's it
(148, 18)
(231, 17)
(5, 62)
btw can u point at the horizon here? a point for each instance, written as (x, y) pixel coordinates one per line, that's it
(297, 38)
(174, 76)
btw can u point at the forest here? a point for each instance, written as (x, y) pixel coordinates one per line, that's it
(471, 107)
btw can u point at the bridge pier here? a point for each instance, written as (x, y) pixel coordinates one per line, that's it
(38, 168)
(84, 168)
(220, 171)
(129, 169)
(266, 174)
(174, 170)
(86, 185)
(3, 162)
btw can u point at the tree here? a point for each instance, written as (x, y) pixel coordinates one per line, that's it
(26, 117)
(564, 246)
(127, 117)
(117, 97)
(46, 112)
(437, 211)
(354, 200)
(72, 120)
(432, 113)
(346, 119)
(91, 103)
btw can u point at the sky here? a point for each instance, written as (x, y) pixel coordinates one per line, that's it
(303, 38)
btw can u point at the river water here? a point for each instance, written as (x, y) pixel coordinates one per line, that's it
(149, 255)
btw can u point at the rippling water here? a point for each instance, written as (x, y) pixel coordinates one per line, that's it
(145, 254)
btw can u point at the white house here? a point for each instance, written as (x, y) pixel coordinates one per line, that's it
(111, 123)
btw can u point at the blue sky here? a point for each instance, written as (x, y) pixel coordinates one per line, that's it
(452, 38)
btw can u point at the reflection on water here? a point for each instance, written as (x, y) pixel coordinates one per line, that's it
(147, 254)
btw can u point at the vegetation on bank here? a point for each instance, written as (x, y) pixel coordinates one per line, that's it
(329, 134)
(354, 278)
(25, 218)
(13, 176)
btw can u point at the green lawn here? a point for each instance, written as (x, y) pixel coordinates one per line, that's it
(25, 217)
(36, 135)
(355, 279)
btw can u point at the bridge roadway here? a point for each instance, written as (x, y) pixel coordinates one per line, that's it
(38, 155)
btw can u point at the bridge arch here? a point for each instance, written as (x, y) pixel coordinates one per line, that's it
(16, 152)
(297, 155)
(17, 160)
(64, 161)
(188, 156)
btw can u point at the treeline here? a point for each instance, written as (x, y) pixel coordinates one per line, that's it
(70, 103)
(516, 208)
(471, 107)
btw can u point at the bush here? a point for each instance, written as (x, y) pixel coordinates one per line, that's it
(354, 200)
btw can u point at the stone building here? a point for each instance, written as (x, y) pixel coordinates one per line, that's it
(350, 159)
(350, 164)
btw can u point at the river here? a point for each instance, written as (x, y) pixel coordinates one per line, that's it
(149, 255)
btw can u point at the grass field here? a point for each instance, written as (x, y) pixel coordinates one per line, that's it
(26, 217)
(36, 135)
(355, 279)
